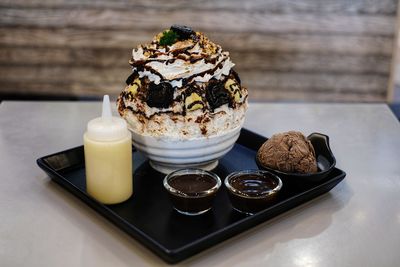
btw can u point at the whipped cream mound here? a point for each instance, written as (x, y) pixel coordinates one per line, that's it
(196, 58)
(182, 86)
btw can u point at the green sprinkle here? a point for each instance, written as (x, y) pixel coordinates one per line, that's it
(168, 38)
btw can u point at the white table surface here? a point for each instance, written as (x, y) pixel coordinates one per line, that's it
(356, 224)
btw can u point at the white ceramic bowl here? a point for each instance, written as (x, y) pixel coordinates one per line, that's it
(167, 155)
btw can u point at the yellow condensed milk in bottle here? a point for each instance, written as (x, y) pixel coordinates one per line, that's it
(108, 157)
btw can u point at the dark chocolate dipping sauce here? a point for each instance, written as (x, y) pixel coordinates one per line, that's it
(192, 193)
(252, 192)
(253, 185)
(191, 184)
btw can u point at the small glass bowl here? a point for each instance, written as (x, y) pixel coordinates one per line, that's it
(192, 190)
(251, 191)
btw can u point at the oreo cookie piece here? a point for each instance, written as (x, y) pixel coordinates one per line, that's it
(160, 95)
(131, 78)
(216, 94)
(236, 76)
(184, 32)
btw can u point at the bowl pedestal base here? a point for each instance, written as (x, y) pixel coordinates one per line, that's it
(168, 168)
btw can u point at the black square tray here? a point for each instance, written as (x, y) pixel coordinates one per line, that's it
(149, 217)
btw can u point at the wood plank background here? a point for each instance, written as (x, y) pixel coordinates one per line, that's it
(304, 50)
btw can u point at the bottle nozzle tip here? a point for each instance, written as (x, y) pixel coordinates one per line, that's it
(106, 112)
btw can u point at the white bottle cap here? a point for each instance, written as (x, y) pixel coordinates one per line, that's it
(107, 127)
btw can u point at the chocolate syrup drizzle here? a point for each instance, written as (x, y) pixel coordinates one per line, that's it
(185, 81)
(188, 84)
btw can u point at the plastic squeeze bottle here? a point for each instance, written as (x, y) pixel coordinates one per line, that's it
(108, 157)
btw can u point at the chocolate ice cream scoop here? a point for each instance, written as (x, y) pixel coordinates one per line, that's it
(289, 152)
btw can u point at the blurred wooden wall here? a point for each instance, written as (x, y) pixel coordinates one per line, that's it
(313, 50)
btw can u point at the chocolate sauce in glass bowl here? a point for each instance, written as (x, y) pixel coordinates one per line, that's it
(192, 183)
(251, 191)
(192, 190)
